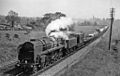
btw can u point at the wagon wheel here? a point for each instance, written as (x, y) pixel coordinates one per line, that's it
(64, 51)
(74, 48)
(67, 51)
(71, 49)
(60, 54)
(56, 56)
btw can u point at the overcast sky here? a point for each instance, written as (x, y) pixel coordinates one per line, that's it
(72, 8)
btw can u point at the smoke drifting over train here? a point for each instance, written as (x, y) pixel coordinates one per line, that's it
(59, 28)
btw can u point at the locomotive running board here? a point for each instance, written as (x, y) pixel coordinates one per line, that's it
(65, 63)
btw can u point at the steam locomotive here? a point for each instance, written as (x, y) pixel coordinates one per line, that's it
(39, 53)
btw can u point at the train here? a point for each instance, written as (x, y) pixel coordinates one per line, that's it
(36, 54)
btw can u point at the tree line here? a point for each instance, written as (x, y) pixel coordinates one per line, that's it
(38, 23)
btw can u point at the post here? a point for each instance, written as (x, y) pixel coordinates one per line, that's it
(111, 24)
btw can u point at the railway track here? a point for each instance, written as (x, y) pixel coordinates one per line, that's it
(14, 72)
(21, 72)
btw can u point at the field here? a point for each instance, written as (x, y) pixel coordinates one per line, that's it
(100, 61)
(86, 29)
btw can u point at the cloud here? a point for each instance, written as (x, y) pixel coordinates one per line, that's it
(73, 8)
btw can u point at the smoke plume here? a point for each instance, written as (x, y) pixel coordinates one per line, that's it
(59, 28)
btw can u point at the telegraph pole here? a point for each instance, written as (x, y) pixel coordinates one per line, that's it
(111, 24)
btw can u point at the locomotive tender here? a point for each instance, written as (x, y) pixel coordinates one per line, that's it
(39, 53)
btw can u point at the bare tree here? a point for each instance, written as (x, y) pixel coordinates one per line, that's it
(12, 18)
